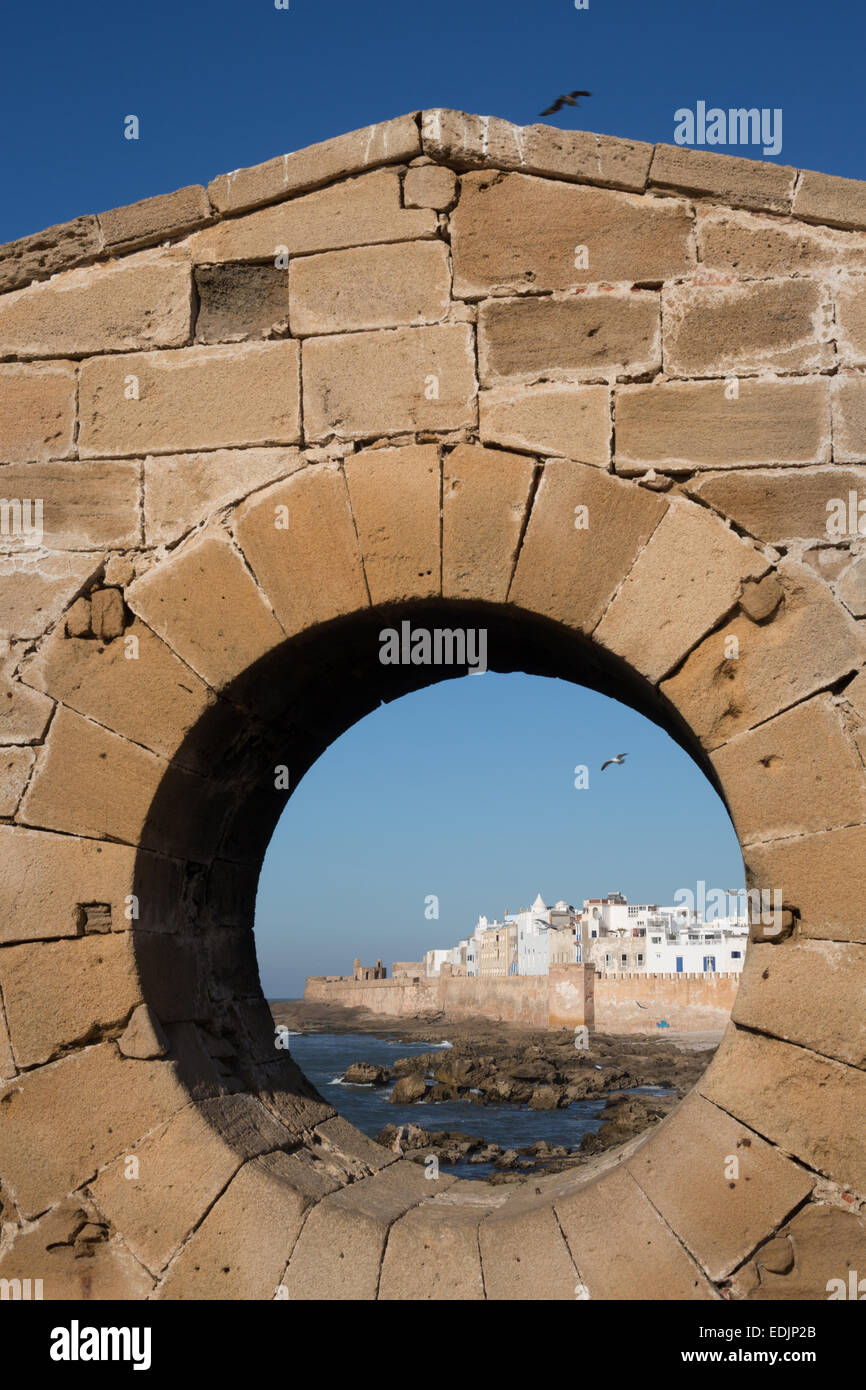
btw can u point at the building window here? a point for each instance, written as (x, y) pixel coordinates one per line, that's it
(640, 959)
(735, 955)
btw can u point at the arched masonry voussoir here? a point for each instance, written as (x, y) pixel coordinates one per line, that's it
(601, 399)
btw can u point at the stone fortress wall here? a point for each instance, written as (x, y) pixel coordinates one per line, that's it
(594, 396)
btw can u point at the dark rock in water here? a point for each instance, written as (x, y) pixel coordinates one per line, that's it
(545, 1098)
(443, 1092)
(366, 1074)
(408, 1089)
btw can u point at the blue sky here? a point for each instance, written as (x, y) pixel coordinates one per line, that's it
(229, 83)
(464, 790)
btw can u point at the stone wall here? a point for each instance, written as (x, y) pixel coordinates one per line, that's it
(606, 401)
(637, 1003)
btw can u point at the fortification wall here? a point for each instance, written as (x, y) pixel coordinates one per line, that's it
(635, 1003)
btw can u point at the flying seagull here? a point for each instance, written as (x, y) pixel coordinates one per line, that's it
(569, 99)
(619, 760)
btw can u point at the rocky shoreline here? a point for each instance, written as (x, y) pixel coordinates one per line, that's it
(494, 1063)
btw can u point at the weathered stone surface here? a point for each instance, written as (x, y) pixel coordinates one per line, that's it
(758, 246)
(594, 334)
(688, 577)
(133, 1097)
(621, 1246)
(485, 496)
(848, 395)
(370, 287)
(355, 213)
(72, 1252)
(24, 713)
(807, 992)
(832, 200)
(786, 1093)
(196, 398)
(780, 505)
(432, 1252)
(48, 877)
(15, 767)
(7, 1061)
(851, 322)
(241, 301)
(142, 302)
(851, 588)
(143, 1036)
(822, 875)
(469, 141)
(687, 1179)
(569, 571)
(107, 614)
(310, 568)
(710, 330)
(62, 993)
(85, 505)
(394, 496)
(827, 1245)
(45, 253)
(339, 1252)
(808, 644)
(77, 621)
(761, 597)
(231, 626)
(512, 233)
(685, 425)
(744, 183)
(37, 411)
(242, 1247)
(524, 1254)
(358, 385)
(184, 1165)
(429, 186)
(387, 142)
(35, 589)
(793, 775)
(573, 421)
(181, 489)
(155, 219)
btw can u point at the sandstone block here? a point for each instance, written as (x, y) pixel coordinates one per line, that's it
(835, 201)
(827, 1244)
(71, 1251)
(688, 577)
(851, 588)
(710, 330)
(744, 183)
(761, 597)
(181, 489)
(786, 1093)
(808, 644)
(394, 496)
(514, 232)
(485, 496)
(780, 505)
(356, 212)
(758, 246)
(142, 302)
(807, 992)
(580, 155)
(386, 142)
(196, 398)
(622, 1247)
(48, 878)
(183, 1167)
(15, 767)
(569, 570)
(155, 219)
(77, 622)
(848, 396)
(84, 505)
(686, 425)
(227, 630)
(684, 1173)
(60, 994)
(107, 613)
(45, 253)
(432, 1253)
(429, 186)
(524, 1250)
(143, 1036)
(241, 301)
(595, 334)
(311, 568)
(24, 713)
(822, 875)
(573, 421)
(370, 287)
(35, 589)
(7, 1061)
(359, 385)
(793, 775)
(851, 322)
(50, 1143)
(37, 411)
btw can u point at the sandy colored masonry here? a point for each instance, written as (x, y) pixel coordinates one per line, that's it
(605, 401)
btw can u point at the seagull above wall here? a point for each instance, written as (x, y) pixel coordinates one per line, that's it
(569, 99)
(619, 760)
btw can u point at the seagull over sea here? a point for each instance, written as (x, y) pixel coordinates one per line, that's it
(619, 760)
(568, 99)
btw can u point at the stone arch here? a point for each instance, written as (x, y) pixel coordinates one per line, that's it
(158, 676)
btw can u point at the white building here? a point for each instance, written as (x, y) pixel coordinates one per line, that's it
(625, 937)
(433, 959)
